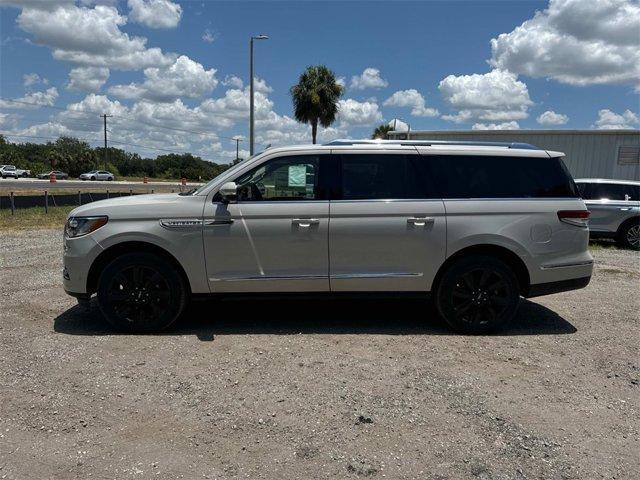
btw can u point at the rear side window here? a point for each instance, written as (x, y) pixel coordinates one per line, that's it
(503, 177)
(380, 176)
(609, 191)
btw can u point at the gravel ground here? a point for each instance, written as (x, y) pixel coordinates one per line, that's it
(316, 389)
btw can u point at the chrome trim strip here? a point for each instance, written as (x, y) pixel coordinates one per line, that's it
(275, 277)
(566, 265)
(344, 276)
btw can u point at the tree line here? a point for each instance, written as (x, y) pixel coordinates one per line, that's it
(75, 156)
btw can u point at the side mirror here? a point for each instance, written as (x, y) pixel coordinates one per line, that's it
(228, 191)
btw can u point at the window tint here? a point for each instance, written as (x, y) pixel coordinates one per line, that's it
(502, 177)
(283, 178)
(610, 191)
(378, 176)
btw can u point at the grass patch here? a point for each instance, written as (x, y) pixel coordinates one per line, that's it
(596, 245)
(33, 218)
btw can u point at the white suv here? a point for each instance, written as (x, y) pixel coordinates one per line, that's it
(477, 225)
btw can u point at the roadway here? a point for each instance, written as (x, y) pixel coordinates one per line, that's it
(17, 185)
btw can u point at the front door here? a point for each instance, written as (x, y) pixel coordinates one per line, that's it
(388, 228)
(275, 236)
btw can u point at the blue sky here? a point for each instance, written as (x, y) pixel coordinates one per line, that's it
(574, 64)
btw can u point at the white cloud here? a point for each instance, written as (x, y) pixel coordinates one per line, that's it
(608, 120)
(89, 37)
(30, 79)
(577, 42)
(155, 13)
(341, 81)
(552, 118)
(209, 36)
(496, 126)
(259, 85)
(33, 99)
(411, 98)
(232, 81)
(370, 78)
(185, 78)
(353, 113)
(87, 79)
(493, 96)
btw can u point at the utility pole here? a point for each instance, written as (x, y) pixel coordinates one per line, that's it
(251, 105)
(104, 116)
(237, 140)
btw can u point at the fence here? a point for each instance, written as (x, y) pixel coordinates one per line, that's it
(48, 199)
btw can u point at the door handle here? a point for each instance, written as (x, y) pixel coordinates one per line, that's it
(420, 221)
(305, 222)
(625, 209)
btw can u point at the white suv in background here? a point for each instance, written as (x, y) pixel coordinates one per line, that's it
(477, 225)
(615, 209)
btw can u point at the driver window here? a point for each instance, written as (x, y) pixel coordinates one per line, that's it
(284, 178)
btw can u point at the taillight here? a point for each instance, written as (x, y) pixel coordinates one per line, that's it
(579, 218)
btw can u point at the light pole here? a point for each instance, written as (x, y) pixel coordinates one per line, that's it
(251, 107)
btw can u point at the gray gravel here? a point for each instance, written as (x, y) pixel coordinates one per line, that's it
(316, 389)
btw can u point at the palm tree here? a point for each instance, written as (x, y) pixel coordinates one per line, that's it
(315, 98)
(381, 132)
(55, 158)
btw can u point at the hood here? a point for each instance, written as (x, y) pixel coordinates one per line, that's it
(152, 206)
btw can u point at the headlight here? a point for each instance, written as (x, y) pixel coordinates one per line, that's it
(79, 226)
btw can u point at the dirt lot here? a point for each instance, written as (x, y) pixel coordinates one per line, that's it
(317, 389)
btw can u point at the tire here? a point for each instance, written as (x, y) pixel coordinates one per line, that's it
(477, 294)
(629, 234)
(109, 179)
(141, 292)
(93, 178)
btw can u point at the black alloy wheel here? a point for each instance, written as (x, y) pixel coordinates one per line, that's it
(478, 294)
(141, 292)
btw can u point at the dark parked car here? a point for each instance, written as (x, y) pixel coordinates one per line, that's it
(58, 174)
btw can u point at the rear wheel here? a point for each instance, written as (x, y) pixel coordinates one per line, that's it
(141, 292)
(477, 294)
(629, 234)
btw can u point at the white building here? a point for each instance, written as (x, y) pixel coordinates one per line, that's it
(589, 153)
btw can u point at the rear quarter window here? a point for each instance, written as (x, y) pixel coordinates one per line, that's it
(503, 177)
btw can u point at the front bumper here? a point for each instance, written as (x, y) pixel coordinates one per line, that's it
(79, 254)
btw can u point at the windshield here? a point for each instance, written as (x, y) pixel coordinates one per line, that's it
(227, 173)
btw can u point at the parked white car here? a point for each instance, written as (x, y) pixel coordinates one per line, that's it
(23, 173)
(615, 209)
(97, 175)
(9, 171)
(476, 225)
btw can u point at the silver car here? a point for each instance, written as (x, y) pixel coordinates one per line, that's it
(9, 171)
(477, 226)
(97, 175)
(615, 209)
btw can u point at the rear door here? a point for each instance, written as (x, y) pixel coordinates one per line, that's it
(388, 227)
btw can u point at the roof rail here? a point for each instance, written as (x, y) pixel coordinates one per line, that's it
(428, 143)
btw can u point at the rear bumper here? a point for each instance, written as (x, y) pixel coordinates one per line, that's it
(540, 289)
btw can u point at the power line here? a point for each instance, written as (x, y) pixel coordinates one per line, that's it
(82, 112)
(97, 141)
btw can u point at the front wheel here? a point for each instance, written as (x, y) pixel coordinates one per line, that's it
(477, 294)
(141, 292)
(629, 234)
